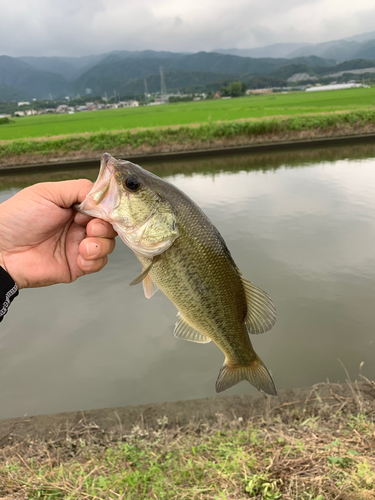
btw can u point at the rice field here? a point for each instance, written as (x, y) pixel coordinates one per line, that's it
(197, 112)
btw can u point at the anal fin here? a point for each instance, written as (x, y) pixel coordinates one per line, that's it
(261, 312)
(184, 331)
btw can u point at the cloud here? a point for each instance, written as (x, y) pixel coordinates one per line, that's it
(81, 27)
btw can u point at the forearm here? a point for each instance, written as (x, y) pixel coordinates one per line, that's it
(8, 291)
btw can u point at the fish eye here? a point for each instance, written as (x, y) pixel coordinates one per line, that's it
(132, 183)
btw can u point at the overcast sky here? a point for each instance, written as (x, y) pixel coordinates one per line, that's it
(82, 27)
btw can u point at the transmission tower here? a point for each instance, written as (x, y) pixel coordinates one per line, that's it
(163, 88)
(146, 88)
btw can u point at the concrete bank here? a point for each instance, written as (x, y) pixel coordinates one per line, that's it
(92, 162)
(119, 421)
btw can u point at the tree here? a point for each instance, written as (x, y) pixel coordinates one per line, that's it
(234, 89)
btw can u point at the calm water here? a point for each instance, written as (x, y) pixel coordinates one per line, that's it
(299, 225)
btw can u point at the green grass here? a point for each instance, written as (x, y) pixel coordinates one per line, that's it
(296, 456)
(204, 135)
(190, 113)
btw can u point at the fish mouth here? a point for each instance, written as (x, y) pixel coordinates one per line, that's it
(104, 195)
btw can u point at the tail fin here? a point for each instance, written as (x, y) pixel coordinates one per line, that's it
(257, 374)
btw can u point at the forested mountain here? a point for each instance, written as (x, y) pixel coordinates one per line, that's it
(192, 81)
(356, 47)
(115, 72)
(274, 50)
(71, 68)
(29, 81)
(339, 50)
(125, 71)
(10, 94)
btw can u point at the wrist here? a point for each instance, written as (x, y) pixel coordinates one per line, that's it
(2, 262)
(6, 268)
(8, 291)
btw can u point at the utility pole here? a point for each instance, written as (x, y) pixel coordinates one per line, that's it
(163, 88)
(146, 88)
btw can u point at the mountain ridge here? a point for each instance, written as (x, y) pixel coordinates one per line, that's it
(124, 71)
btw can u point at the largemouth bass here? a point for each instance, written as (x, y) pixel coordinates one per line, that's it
(184, 255)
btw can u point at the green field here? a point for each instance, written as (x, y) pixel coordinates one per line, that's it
(261, 106)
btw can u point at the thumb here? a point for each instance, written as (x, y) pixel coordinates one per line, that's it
(65, 193)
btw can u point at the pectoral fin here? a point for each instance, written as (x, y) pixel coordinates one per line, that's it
(184, 331)
(143, 275)
(145, 272)
(149, 287)
(261, 312)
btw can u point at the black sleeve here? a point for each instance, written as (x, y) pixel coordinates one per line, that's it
(8, 290)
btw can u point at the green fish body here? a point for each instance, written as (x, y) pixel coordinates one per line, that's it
(184, 255)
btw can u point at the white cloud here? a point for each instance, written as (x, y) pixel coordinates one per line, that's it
(82, 27)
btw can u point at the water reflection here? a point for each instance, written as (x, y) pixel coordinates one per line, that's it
(300, 225)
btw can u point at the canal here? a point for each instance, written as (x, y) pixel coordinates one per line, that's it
(300, 225)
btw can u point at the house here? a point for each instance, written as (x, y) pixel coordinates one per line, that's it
(90, 106)
(63, 108)
(128, 104)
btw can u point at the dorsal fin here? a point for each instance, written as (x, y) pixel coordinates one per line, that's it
(261, 312)
(184, 331)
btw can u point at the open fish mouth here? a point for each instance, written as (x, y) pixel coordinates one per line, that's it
(104, 195)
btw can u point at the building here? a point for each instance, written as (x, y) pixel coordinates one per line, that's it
(90, 106)
(128, 104)
(258, 91)
(337, 86)
(158, 100)
(63, 108)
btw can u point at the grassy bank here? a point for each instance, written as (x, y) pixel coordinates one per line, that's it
(183, 138)
(321, 448)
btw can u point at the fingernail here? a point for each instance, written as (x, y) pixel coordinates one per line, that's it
(92, 248)
(99, 229)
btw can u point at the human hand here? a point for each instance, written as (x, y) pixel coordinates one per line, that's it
(43, 241)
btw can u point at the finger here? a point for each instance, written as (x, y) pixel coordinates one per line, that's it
(82, 219)
(91, 266)
(100, 228)
(96, 248)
